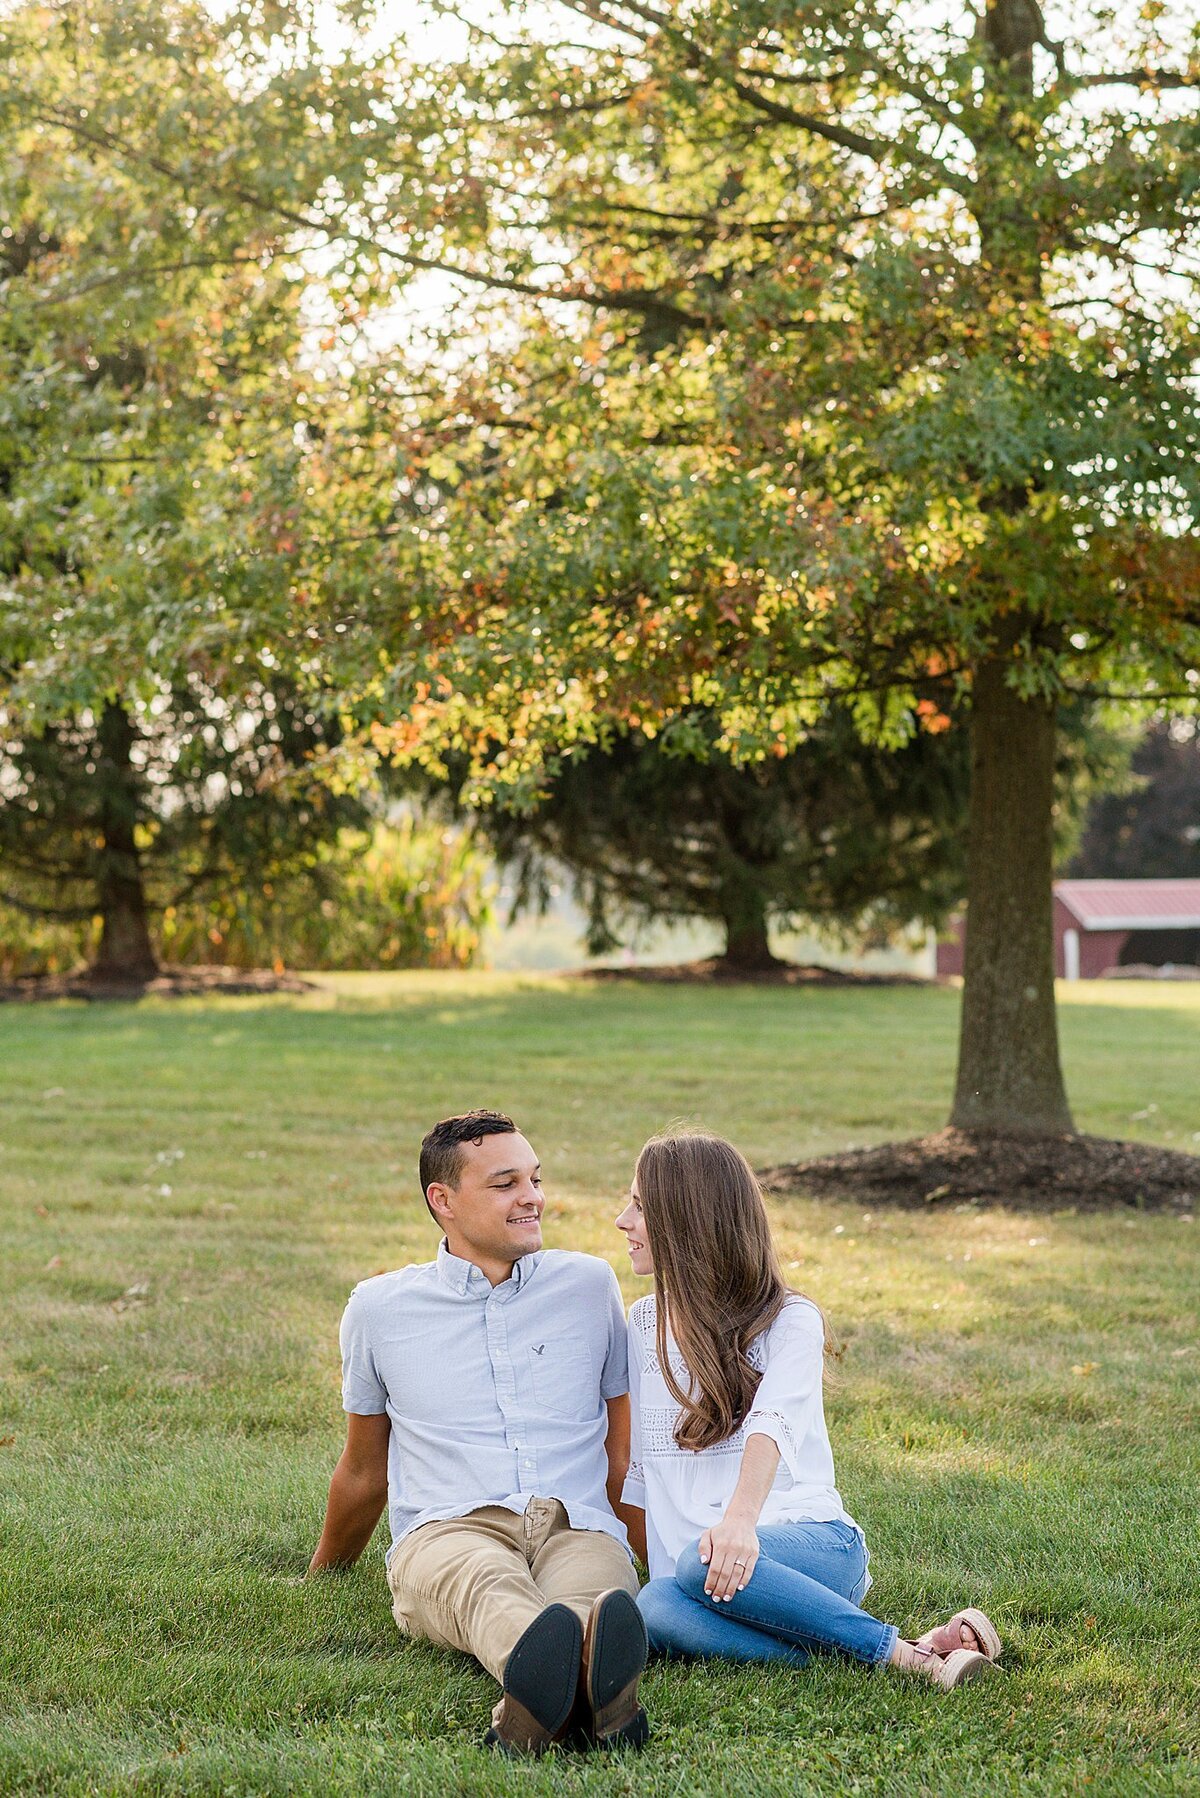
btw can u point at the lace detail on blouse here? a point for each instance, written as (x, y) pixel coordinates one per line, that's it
(756, 1418)
(658, 1422)
(650, 1363)
(644, 1318)
(658, 1435)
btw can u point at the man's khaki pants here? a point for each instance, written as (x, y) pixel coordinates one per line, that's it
(476, 1583)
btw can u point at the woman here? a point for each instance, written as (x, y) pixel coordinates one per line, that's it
(751, 1554)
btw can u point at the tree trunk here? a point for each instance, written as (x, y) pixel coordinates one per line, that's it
(745, 918)
(125, 954)
(1009, 1076)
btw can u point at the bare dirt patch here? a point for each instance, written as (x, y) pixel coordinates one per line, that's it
(715, 971)
(170, 983)
(1085, 1173)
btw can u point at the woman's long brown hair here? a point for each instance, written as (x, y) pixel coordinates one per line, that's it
(715, 1272)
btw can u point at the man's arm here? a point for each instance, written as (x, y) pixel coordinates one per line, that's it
(616, 1446)
(357, 1493)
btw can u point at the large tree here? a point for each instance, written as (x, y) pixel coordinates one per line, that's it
(820, 351)
(156, 687)
(1150, 827)
(841, 834)
(859, 350)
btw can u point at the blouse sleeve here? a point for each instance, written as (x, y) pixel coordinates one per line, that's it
(634, 1490)
(788, 1400)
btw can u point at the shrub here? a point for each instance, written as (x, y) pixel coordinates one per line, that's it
(40, 946)
(406, 895)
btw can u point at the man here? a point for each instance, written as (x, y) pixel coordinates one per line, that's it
(487, 1401)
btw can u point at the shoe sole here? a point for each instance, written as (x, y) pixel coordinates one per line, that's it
(985, 1631)
(961, 1666)
(542, 1672)
(634, 1734)
(619, 1648)
(984, 1628)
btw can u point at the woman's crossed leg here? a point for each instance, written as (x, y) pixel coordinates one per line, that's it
(800, 1597)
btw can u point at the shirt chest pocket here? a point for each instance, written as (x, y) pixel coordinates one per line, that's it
(564, 1381)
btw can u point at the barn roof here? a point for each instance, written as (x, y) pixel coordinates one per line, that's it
(1132, 904)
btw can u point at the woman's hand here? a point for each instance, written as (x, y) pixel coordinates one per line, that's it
(729, 1552)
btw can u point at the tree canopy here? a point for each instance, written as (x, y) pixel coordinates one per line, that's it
(777, 356)
(155, 688)
(853, 350)
(849, 347)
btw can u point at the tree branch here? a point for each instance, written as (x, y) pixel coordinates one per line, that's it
(568, 109)
(633, 299)
(121, 274)
(60, 914)
(638, 300)
(99, 461)
(875, 149)
(790, 78)
(718, 225)
(1160, 78)
(194, 883)
(599, 15)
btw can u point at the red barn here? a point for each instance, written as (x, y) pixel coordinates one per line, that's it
(1103, 924)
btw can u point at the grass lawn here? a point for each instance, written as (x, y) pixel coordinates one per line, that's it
(188, 1191)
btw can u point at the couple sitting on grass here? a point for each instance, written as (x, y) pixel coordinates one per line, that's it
(524, 1434)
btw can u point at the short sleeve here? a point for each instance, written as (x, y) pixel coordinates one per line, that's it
(788, 1399)
(614, 1379)
(363, 1392)
(634, 1490)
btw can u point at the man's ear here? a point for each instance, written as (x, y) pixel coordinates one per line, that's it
(441, 1199)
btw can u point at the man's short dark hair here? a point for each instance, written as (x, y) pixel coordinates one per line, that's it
(442, 1149)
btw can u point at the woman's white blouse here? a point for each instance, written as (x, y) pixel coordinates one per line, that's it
(684, 1492)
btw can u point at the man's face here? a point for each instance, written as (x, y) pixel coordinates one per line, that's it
(494, 1212)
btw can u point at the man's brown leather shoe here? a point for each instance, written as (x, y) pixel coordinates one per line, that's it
(614, 1656)
(541, 1676)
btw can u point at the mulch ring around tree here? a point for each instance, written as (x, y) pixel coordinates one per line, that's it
(169, 983)
(1084, 1173)
(716, 971)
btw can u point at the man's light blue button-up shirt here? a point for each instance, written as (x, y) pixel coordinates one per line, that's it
(495, 1395)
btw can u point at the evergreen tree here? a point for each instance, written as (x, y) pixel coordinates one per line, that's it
(1151, 829)
(155, 681)
(124, 815)
(836, 833)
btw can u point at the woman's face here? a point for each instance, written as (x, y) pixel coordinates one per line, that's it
(632, 1223)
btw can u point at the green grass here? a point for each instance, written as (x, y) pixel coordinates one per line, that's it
(187, 1193)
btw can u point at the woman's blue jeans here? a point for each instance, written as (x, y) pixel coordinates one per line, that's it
(800, 1596)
